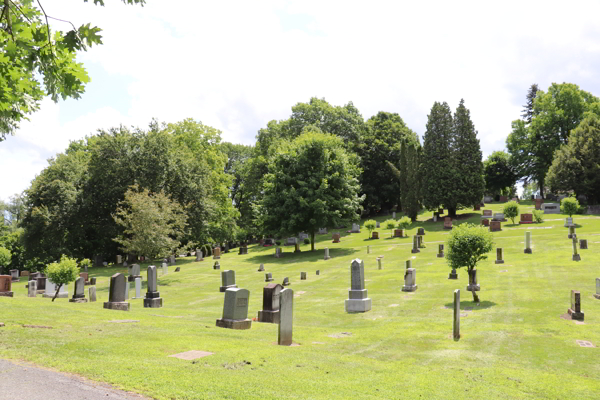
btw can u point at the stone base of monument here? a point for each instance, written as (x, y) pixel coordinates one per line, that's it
(6, 294)
(440, 255)
(412, 288)
(224, 288)
(78, 300)
(216, 257)
(499, 261)
(597, 296)
(453, 275)
(470, 288)
(576, 257)
(356, 305)
(153, 303)
(130, 278)
(42, 291)
(527, 251)
(575, 315)
(60, 295)
(117, 305)
(415, 250)
(268, 316)
(234, 323)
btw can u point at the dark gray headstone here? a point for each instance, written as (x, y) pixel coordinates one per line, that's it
(117, 288)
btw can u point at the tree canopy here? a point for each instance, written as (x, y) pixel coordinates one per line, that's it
(498, 173)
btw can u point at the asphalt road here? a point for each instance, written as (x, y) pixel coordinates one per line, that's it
(28, 382)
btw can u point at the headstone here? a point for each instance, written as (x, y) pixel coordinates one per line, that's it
(368, 249)
(322, 231)
(85, 267)
(488, 199)
(327, 253)
(336, 237)
(302, 236)
(291, 241)
(134, 273)
(499, 259)
(398, 232)
(286, 309)
(421, 231)
(297, 248)
(268, 277)
(568, 222)
(217, 253)
(597, 295)
(358, 300)
(119, 259)
(165, 268)
(152, 299)
(576, 256)
(526, 218)
(447, 223)
(421, 241)
(377, 225)
(583, 244)
(503, 199)
(92, 281)
(32, 288)
(270, 311)
(473, 285)
(127, 287)
(495, 226)
(177, 269)
(551, 208)
(528, 243)
(92, 294)
(227, 280)
(235, 310)
(571, 231)
(199, 255)
(243, 251)
(302, 276)
(261, 267)
(217, 265)
(538, 204)
(6, 286)
(79, 292)
(85, 277)
(355, 228)
(487, 214)
(375, 235)
(380, 262)
(172, 259)
(476, 207)
(41, 284)
(498, 217)
(415, 248)
(125, 263)
(441, 211)
(456, 324)
(138, 288)
(286, 281)
(453, 274)
(485, 222)
(575, 310)
(440, 250)
(318, 272)
(410, 280)
(63, 293)
(24, 273)
(14, 275)
(116, 294)
(408, 264)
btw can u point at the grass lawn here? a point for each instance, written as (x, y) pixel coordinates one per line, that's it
(513, 346)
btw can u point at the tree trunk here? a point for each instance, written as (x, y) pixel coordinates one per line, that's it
(56, 294)
(312, 241)
(475, 297)
(541, 183)
(452, 212)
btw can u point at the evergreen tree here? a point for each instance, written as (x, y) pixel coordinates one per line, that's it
(467, 157)
(438, 169)
(528, 108)
(411, 197)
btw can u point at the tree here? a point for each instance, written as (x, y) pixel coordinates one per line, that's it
(469, 181)
(5, 257)
(410, 178)
(390, 224)
(528, 110)
(370, 225)
(511, 210)
(62, 273)
(312, 182)
(569, 205)
(438, 168)
(467, 245)
(152, 222)
(37, 62)
(575, 165)
(498, 173)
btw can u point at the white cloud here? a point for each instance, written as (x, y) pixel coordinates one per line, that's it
(236, 65)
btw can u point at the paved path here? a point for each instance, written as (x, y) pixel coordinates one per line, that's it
(28, 382)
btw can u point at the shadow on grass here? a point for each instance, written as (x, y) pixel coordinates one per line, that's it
(304, 256)
(471, 305)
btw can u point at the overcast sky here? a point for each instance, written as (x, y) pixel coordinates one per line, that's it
(237, 65)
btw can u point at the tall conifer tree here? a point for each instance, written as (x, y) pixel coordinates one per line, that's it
(411, 196)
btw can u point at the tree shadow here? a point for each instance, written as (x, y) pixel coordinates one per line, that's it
(471, 305)
(304, 256)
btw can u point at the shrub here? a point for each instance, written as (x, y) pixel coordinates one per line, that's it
(582, 210)
(5, 257)
(278, 242)
(62, 273)
(370, 225)
(569, 205)
(86, 262)
(307, 241)
(404, 223)
(390, 224)
(511, 210)
(206, 250)
(538, 216)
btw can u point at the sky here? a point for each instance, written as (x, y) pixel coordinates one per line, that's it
(236, 65)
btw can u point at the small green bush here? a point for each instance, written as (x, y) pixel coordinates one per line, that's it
(538, 216)
(404, 223)
(389, 224)
(62, 273)
(307, 241)
(569, 205)
(5, 257)
(582, 210)
(370, 225)
(85, 262)
(511, 210)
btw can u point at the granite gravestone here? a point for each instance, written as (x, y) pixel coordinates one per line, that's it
(268, 277)
(172, 259)
(322, 231)
(217, 253)
(79, 292)
(261, 268)
(576, 256)
(487, 214)
(538, 204)
(318, 272)
(32, 288)
(235, 310)
(6, 286)
(495, 226)
(597, 295)
(355, 228)
(408, 264)
(415, 248)
(410, 280)
(380, 262)
(526, 218)
(399, 233)
(368, 249)
(571, 231)
(50, 291)
(358, 300)
(85, 276)
(152, 299)
(41, 284)
(473, 284)
(568, 222)
(138, 288)
(456, 322)
(286, 281)
(551, 208)
(116, 294)
(302, 276)
(243, 251)
(199, 256)
(336, 237)
(278, 252)
(14, 275)
(453, 274)
(375, 235)
(286, 310)
(447, 223)
(583, 244)
(217, 265)
(394, 215)
(297, 248)
(227, 280)
(291, 241)
(499, 259)
(165, 268)
(134, 273)
(327, 254)
(92, 294)
(270, 311)
(575, 310)
(421, 231)
(499, 217)
(485, 222)
(440, 251)
(93, 281)
(527, 243)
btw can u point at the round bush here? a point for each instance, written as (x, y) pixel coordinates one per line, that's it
(306, 241)
(569, 205)
(511, 210)
(5, 257)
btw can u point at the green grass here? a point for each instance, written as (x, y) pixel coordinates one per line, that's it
(513, 346)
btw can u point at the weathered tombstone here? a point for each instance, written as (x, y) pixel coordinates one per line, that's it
(571, 231)
(41, 284)
(583, 244)
(355, 228)
(243, 251)
(291, 241)
(495, 226)
(597, 295)
(261, 267)
(138, 288)
(415, 248)
(487, 199)
(134, 273)
(125, 263)
(358, 300)
(375, 235)
(485, 222)
(575, 310)
(297, 248)
(177, 269)
(322, 231)
(528, 243)
(92, 294)
(473, 285)
(165, 268)
(119, 259)
(380, 262)
(227, 280)
(270, 311)
(421, 241)
(551, 208)
(32, 288)
(526, 218)
(152, 299)
(6, 286)
(217, 265)
(302, 276)
(408, 264)
(127, 287)
(368, 249)
(302, 236)
(172, 260)
(453, 274)
(318, 272)
(116, 294)
(235, 310)
(286, 309)
(499, 217)
(199, 255)
(440, 251)
(503, 199)
(447, 223)
(14, 275)
(78, 292)
(421, 231)
(24, 273)
(538, 204)
(487, 214)
(217, 253)
(576, 256)
(435, 217)
(268, 277)
(286, 281)
(278, 252)
(92, 281)
(456, 324)
(327, 254)
(377, 225)
(568, 222)
(499, 259)
(336, 237)
(63, 293)
(398, 233)
(410, 280)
